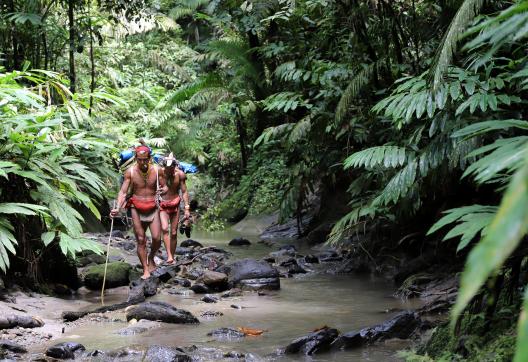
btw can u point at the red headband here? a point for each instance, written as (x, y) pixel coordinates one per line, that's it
(142, 149)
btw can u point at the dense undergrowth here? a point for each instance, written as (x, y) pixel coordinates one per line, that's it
(416, 109)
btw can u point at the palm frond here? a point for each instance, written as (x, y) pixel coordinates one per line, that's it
(362, 78)
(386, 156)
(448, 46)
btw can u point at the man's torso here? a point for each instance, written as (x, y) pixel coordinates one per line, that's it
(173, 184)
(144, 185)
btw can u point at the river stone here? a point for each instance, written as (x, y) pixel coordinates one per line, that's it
(314, 342)
(160, 311)
(165, 354)
(210, 277)
(200, 289)
(402, 326)
(116, 275)
(22, 320)
(11, 346)
(90, 259)
(209, 299)
(137, 328)
(64, 350)
(226, 334)
(239, 242)
(189, 243)
(180, 281)
(253, 274)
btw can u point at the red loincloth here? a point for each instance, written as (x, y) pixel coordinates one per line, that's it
(170, 206)
(142, 206)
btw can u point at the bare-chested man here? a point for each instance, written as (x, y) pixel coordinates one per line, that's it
(173, 180)
(143, 178)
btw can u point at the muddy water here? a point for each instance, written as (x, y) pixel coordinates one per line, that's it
(304, 303)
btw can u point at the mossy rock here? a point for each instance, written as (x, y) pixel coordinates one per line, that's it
(116, 275)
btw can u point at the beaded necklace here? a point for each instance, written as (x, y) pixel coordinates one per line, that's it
(144, 175)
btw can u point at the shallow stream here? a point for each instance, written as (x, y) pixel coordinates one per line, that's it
(304, 303)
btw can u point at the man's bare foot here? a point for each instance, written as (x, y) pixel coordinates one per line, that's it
(169, 261)
(151, 266)
(145, 275)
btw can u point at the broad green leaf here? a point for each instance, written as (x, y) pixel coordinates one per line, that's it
(509, 225)
(521, 350)
(21, 208)
(47, 237)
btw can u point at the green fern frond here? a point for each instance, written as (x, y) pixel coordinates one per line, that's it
(350, 221)
(479, 128)
(273, 133)
(448, 46)
(398, 186)
(386, 156)
(362, 78)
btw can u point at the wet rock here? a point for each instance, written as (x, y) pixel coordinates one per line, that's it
(260, 283)
(226, 334)
(215, 280)
(200, 288)
(239, 242)
(165, 273)
(211, 314)
(126, 353)
(193, 273)
(209, 299)
(329, 256)
(253, 274)
(289, 247)
(291, 266)
(137, 328)
(183, 251)
(235, 355)
(211, 278)
(65, 350)
(165, 354)
(118, 234)
(90, 259)
(116, 275)
(235, 306)
(189, 243)
(11, 346)
(160, 311)
(179, 291)
(402, 326)
(235, 292)
(311, 259)
(314, 342)
(24, 321)
(180, 281)
(282, 254)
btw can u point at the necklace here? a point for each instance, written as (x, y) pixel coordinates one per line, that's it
(144, 175)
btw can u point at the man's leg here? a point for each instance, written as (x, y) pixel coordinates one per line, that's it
(175, 218)
(166, 236)
(141, 240)
(155, 233)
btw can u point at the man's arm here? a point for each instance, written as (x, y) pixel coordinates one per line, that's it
(163, 188)
(122, 194)
(185, 194)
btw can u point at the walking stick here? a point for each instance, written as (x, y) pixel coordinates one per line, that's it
(107, 254)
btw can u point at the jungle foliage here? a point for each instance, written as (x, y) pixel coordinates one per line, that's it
(413, 109)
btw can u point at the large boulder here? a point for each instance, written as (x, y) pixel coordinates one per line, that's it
(253, 274)
(239, 242)
(117, 275)
(64, 350)
(401, 326)
(315, 342)
(214, 280)
(165, 354)
(160, 311)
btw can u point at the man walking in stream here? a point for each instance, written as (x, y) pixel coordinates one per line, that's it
(143, 179)
(173, 180)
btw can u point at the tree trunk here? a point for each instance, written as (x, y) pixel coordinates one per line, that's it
(71, 24)
(241, 138)
(92, 64)
(14, 38)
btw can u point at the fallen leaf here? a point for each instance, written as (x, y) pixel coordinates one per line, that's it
(251, 331)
